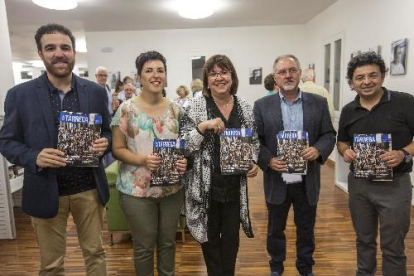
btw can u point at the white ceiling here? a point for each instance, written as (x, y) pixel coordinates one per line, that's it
(24, 17)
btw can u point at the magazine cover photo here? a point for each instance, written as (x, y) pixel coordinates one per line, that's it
(77, 132)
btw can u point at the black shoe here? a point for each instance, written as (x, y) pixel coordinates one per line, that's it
(274, 273)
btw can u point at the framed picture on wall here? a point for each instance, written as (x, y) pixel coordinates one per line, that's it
(398, 57)
(255, 75)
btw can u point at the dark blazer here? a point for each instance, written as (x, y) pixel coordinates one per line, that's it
(29, 127)
(316, 121)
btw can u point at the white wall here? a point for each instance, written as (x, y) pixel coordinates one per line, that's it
(365, 24)
(6, 76)
(246, 47)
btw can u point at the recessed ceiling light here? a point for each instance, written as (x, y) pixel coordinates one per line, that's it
(195, 9)
(57, 4)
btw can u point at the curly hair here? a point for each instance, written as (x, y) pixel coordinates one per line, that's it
(52, 29)
(182, 87)
(147, 56)
(222, 62)
(366, 58)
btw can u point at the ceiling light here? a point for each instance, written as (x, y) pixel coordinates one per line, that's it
(195, 9)
(57, 4)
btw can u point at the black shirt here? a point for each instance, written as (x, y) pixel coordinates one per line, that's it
(224, 188)
(393, 114)
(71, 180)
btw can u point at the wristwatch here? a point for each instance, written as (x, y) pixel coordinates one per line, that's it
(407, 156)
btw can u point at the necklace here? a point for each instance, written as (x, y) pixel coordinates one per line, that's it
(225, 105)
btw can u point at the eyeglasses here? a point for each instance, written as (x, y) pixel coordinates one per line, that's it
(215, 75)
(102, 75)
(292, 71)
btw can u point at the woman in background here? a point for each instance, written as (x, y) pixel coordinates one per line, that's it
(197, 88)
(270, 85)
(216, 203)
(152, 212)
(182, 92)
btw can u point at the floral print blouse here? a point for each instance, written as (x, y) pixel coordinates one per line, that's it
(140, 130)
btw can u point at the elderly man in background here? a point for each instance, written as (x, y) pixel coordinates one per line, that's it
(101, 78)
(309, 85)
(129, 90)
(126, 80)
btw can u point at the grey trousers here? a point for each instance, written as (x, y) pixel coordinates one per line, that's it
(153, 223)
(388, 203)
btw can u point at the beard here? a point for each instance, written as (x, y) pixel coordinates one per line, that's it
(60, 72)
(289, 87)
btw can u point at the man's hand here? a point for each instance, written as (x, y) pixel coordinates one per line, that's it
(100, 145)
(310, 154)
(50, 158)
(393, 158)
(349, 155)
(278, 165)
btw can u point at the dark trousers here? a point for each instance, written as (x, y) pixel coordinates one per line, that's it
(387, 204)
(304, 216)
(220, 252)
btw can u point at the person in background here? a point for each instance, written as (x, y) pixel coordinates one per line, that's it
(309, 85)
(129, 90)
(119, 86)
(292, 109)
(182, 92)
(151, 211)
(28, 138)
(197, 88)
(217, 203)
(376, 109)
(101, 78)
(270, 85)
(115, 101)
(126, 80)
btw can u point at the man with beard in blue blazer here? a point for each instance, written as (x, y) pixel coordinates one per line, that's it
(28, 138)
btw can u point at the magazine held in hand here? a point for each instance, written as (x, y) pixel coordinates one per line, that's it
(170, 150)
(77, 132)
(290, 144)
(236, 151)
(369, 148)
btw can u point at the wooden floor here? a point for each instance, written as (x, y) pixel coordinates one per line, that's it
(334, 256)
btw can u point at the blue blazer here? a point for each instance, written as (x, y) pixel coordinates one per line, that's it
(316, 121)
(29, 127)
